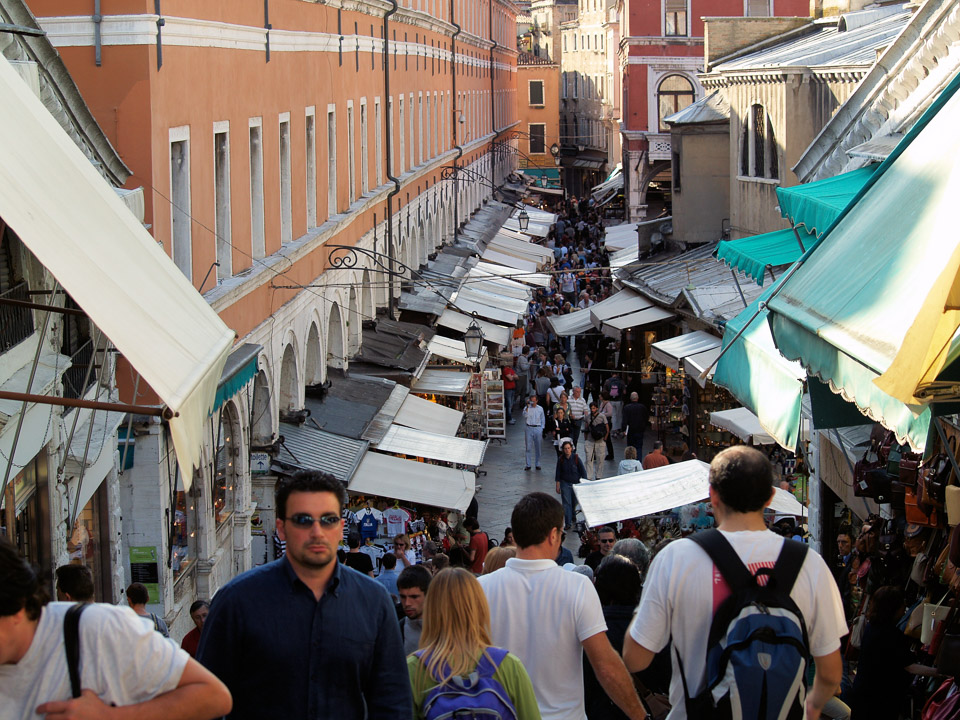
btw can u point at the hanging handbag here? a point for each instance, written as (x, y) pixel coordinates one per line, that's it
(916, 511)
(952, 503)
(944, 704)
(909, 468)
(861, 484)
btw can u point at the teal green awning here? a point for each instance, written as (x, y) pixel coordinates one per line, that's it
(755, 372)
(537, 172)
(846, 311)
(815, 205)
(752, 255)
(240, 368)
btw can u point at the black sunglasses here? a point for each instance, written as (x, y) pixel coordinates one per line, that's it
(608, 541)
(304, 520)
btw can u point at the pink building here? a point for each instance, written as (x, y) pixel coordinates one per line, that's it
(661, 54)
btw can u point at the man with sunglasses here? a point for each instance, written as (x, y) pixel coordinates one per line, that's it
(606, 537)
(305, 636)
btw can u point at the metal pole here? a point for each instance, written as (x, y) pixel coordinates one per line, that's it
(164, 412)
(33, 374)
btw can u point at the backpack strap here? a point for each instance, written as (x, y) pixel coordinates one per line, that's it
(729, 564)
(788, 565)
(71, 644)
(490, 661)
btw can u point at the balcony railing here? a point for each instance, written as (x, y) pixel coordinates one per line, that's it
(659, 146)
(73, 385)
(16, 323)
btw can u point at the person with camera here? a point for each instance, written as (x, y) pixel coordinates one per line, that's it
(596, 431)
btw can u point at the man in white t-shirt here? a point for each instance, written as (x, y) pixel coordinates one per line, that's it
(549, 617)
(122, 660)
(683, 588)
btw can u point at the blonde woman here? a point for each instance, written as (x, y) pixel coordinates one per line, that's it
(497, 558)
(455, 642)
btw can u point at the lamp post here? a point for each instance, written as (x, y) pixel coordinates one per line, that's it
(524, 220)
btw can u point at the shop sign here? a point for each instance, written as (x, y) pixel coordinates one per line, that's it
(145, 569)
(256, 522)
(260, 463)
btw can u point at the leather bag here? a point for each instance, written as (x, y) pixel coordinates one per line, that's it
(942, 705)
(917, 512)
(861, 484)
(909, 469)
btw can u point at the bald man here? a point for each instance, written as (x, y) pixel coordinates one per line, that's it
(635, 418)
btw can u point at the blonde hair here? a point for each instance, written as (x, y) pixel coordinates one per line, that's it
(497, 558)
(630, 453)
(456, 625)
(404, 537)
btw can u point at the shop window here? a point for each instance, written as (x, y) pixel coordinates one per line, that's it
(183, 540)
(84, 544)
(674, 94)
(25, 514)
(675, 18)
(225, 475)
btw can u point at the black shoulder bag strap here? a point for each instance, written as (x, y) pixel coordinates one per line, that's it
(71, 643)
(729, 564)
(788, 565)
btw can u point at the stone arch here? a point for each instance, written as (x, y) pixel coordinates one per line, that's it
(354, 323)
(314, 365)
(261, 421)
(336, 348)
(288, 391)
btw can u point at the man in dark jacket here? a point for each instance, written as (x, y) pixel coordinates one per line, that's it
(569, 471)
(635, 418)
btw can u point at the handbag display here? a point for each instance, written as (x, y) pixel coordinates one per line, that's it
(918, 512)
(944, 704)
(861, 471)
(909, 469)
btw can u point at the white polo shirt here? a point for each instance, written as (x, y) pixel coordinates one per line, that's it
(542, 613)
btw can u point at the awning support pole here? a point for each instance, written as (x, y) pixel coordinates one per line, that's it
(164, 412)
(796, 234)
(41, 306)
(739, 289)
(23, 409)
(126, 444)
(763, 306)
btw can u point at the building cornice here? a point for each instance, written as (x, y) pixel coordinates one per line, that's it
(660, 41)
(786, 75)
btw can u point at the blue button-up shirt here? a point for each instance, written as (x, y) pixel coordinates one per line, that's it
(284, 654)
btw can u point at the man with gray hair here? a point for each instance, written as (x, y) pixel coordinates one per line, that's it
(578, 408)
(634, 551)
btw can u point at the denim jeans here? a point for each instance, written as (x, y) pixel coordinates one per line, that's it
(508, 403)
(569, 503)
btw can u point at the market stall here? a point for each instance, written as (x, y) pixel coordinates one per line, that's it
(428, 416)
(416, 482)
(418, 444)
(654, 491)
(744, 424)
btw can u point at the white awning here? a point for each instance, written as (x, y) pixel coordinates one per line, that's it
(469, 304)
(510, 261)
(454, 350)
(433, 446)
(492, 298)
(694, 365)
(654, 491)
(491, 283)
(575, 323)
(744, 424)
(537, 279)
(620, 303)
(533, 228)
(492, 333)
(441, 382)
(648, 316)
(412, 481)
(672, 352)
(622, 258)
(428, 416)
(618, 237)
(81, 231)
(521, 248)
(539, 216)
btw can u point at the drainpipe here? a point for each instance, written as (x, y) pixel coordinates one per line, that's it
(456, 122)
(387, 121)
(493, 97)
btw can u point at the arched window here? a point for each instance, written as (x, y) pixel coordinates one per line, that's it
(758, 146)
(673, 95)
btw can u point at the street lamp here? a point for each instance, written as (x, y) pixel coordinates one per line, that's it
(473, 341)
(524, 220)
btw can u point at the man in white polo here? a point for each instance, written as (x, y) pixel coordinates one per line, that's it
(549, 618)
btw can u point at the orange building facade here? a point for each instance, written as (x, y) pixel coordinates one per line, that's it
(263, 133)
(538, 113)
